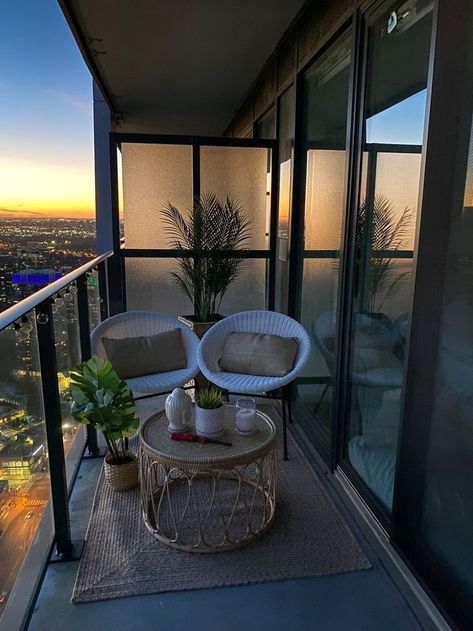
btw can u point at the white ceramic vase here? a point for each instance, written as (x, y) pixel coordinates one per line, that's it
(209, 423)
(178, 409)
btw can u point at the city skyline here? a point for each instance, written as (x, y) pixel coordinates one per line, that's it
(46, 116)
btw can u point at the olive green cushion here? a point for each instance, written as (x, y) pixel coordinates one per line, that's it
(147, 355)
(259, 354)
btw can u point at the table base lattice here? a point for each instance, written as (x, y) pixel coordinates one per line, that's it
(212, 510)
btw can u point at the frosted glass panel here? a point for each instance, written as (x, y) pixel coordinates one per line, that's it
(152, 176)
(249, 290)
(240, 173)
(150, 287)
(325, 199)
(397, 179)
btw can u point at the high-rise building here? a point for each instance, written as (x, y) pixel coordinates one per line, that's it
(8, 265)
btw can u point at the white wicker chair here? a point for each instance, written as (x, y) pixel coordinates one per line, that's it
(143, 323)
(270, 322)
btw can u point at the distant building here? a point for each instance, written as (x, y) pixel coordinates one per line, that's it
(8, 265)
(23, 455)
(10, 411)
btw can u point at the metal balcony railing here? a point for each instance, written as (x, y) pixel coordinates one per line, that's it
(52, 330)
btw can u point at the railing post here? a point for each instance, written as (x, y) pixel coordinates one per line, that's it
(52, 412)
(85, 349)
(103, 291)
(115, 276)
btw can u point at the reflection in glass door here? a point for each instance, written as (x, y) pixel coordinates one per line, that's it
(325, 104)
(395, 102)
(286, 133)
(434, 510)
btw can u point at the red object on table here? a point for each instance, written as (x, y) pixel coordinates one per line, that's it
(195, 438)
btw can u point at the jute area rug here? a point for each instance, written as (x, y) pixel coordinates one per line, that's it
(308, 538)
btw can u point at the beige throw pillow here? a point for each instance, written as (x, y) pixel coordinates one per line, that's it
(259, 354)
(147, 355)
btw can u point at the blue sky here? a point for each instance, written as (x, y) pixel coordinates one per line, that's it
(45, 104)
(402, 123)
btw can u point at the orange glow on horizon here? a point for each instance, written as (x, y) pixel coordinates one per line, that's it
(35, 190)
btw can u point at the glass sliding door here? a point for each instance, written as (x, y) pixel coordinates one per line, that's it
(324, 118)
(433, 500)
(399, 37)
(440, 535)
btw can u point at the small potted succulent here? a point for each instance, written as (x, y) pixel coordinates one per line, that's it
(209, 412)
(104, 401)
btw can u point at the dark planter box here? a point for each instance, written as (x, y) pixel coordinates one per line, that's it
(200, 328)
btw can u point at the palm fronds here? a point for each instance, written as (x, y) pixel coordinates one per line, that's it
(208, 230)
(378, 234)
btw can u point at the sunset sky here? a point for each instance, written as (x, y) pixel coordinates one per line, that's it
(46, 123)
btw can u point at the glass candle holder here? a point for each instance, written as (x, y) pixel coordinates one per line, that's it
(246, 416)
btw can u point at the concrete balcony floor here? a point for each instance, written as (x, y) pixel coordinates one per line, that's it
(364, 600)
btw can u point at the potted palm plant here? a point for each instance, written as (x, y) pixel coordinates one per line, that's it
(209, 412)
(104, 401)
(209, 231)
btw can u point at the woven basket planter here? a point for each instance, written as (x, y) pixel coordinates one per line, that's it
(122, 477)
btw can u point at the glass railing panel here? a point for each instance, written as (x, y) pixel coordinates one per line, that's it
(93, 298)
(67, 342)
(24, 474)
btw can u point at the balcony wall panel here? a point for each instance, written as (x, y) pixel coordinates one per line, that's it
(150, 286)
(242, 122)
(287, 61)
(240, 173)
(265, 90)
(249, 290)
(153, 175)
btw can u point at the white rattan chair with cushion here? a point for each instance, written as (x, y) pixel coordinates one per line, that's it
(384, 371)
(268, 322)
(145, 323)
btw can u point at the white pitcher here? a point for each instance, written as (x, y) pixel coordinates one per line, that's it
(178, 410)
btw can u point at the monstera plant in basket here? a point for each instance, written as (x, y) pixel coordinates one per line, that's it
(211, 230)
(104, 401)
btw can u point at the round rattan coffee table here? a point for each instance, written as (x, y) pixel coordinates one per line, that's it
(206, 497)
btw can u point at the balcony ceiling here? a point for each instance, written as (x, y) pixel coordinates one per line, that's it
(177, 66)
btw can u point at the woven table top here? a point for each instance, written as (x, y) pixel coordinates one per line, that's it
(155, 440)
